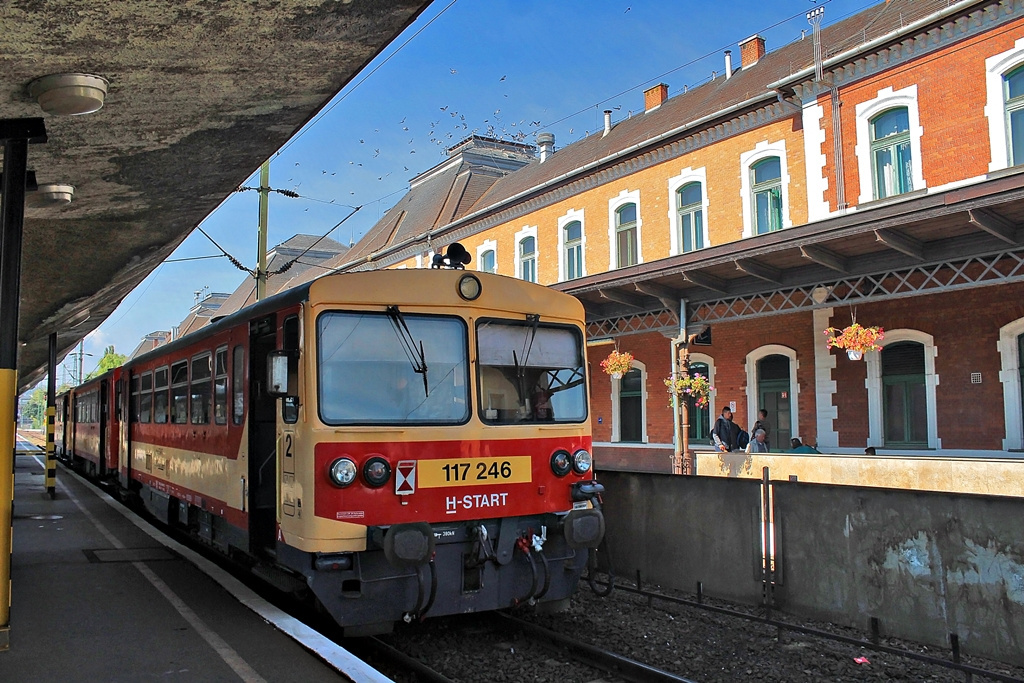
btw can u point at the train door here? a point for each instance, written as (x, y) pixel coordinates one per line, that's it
(124, 430)
(104, 417)
(262, 439)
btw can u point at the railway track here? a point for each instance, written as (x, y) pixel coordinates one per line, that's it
(453, 650)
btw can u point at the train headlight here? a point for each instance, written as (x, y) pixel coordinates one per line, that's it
(561, 463)
(582, 462)
(469, 287)
(376, 472)
(342, 472)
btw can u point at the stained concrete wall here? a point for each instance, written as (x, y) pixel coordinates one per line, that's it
(995, 476)
(925, 564)
(680, 530)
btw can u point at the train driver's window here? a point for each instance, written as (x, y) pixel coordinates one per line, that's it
(179, 392)
(200, 389)
(160, 395)
(145, 396)
(220, 386)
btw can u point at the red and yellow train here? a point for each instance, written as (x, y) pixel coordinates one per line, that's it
(392, 443)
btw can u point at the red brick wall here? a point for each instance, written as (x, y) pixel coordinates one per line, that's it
(655, 352)
(965, 327)
(951, 101)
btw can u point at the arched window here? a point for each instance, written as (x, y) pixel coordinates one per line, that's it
(766, 187)
(528, 259)
(573, 241)
(774, 395)
(631, 409)
(487, 262)
(625, 235)
(1013, 94)
(890, 153)
(689, 203)
(904, 397)
(699, 418)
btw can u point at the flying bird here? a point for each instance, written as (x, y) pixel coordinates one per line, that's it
(453, 71)
(502, 78)
(444, 108)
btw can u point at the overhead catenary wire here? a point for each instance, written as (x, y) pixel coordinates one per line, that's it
(291, 262)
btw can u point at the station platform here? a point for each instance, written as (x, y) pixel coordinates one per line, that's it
(99, 595)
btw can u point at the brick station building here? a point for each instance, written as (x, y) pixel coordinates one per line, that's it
(786, 196)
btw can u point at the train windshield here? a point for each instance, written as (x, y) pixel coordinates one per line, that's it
(367, 375)
(530, 372)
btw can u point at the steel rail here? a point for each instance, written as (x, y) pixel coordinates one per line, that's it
(411, 663)
(878, 647)
(623, 667)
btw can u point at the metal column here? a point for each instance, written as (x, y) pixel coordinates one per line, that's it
(51, 418)
(16, 135)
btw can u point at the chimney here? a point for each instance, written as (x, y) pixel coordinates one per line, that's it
(546, 142)
(728, 64)
(607, 122)
(751, 50)
(653, 97)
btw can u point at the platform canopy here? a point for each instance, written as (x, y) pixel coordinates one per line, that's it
(199, 95)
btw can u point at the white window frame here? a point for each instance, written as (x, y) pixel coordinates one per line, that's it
(865, 111)
(616, 404)
(996, 67)
(753, 395)
(873, 383)
(1009, 376)
(563, 267)
(527, 231)
(487, 245)
(624, 197)
(713, 395)
(685, 177)
(761, 151)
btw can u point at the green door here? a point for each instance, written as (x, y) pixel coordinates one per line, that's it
(904, 398)
(631, 409)
(700, 418)
(774, 394)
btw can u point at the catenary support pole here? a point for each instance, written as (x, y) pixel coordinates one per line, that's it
(15, 135)
(51, 418)
(261, 266)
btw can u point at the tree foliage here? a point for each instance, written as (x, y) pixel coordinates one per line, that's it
(109, 361)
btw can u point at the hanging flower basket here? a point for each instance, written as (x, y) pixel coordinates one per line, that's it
(617, 364)
(695, 386)
(855, 339)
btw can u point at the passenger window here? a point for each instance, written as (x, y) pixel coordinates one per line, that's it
(238, 386)
(160, 396)
(220, 387)
(200, 389)
(146, 396)
(179, 392)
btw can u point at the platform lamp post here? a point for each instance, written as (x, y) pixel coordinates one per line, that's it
(679, 465)
(16, 134)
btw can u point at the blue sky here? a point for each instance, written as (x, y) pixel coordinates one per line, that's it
(474, 64)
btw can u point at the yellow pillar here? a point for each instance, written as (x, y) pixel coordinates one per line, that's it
(8, 396)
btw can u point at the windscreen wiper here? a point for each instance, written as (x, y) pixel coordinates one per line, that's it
(534, 320)
(409, 344)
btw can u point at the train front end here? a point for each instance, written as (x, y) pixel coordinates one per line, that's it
(440, 461)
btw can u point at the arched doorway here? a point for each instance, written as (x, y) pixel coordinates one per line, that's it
(775, 395)
(631, 406)
(904, 395)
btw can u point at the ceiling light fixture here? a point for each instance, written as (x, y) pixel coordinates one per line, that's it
(69, 94)
(53, 193)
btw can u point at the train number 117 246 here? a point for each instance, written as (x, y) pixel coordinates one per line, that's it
(480, 471)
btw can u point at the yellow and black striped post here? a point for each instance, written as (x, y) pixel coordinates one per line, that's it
(16, 135)
(51, 419)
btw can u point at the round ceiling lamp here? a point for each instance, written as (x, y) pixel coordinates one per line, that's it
(54, 193)
(69, 94)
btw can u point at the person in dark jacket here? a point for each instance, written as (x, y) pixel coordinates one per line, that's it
(725, 432)
(762, 423)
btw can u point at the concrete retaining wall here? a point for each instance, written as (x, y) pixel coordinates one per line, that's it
(925, 564)
(681, 530)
